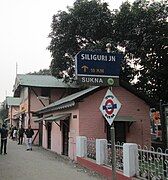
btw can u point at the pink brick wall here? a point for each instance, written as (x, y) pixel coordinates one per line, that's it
(56, 94)
(44, 137)
(13, 110)
(35, 103)
(73, 132)
(88, 120)
(56, 139)
(92, 123)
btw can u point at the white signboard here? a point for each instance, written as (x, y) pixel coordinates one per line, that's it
(110, 106)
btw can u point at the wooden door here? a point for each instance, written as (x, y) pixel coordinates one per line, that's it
(49, 135)
(40, 133)
(120, 131)
(65, 136)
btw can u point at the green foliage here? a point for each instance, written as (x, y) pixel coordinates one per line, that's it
(140, 29)
(42, 72)
(3, 113)
(143, 30)
(88, 25)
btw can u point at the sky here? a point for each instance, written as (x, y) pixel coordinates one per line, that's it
(24, 27)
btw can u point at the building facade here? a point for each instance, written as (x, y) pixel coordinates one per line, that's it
(36, 92)
(78, 115)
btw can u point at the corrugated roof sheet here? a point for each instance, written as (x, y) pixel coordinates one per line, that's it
(57, 117)
(66, 102)
(13, 101)
(41, 81)
(38, 119)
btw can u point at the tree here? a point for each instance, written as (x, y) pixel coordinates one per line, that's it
(143, 31)
(42, 72)
(139, 29)
(3, 112)
(87, 25)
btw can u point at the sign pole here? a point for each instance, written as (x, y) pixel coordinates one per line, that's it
(113, 152)
(113, 149)
(112, 131)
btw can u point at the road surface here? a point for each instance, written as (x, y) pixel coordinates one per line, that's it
(39, 164)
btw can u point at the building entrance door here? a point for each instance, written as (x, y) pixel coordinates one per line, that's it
(65, 136)
(49, 135)
(40, 133)
(120, 132)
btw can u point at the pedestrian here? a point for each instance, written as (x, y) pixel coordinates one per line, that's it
(15, 133)
(29, 133)
(4, 136)
(21, 134)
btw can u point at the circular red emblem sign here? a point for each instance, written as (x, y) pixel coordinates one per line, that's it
(109, 106)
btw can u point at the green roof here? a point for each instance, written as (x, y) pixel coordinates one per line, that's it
(67, 101)
(13, 101)
(31, 80)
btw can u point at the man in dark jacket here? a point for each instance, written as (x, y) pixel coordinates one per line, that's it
(29, 133)
(4, 135)
(21, 134)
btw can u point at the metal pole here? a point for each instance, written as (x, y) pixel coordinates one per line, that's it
(112, 130)
(113, 152)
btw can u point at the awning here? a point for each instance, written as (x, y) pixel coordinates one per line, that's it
(124, 118)
(38, 119)
(57, 117)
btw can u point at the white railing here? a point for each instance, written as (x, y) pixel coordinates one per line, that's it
(119, 156)
(153, 164)
(131, 159)
(91, 148)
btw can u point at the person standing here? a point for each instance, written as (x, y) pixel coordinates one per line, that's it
(29, 133)
(15, 133)
(4, 136)
(21, 134)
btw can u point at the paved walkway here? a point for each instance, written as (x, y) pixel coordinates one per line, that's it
(39, 164)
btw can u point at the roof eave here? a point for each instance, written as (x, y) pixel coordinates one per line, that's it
(55, 108)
